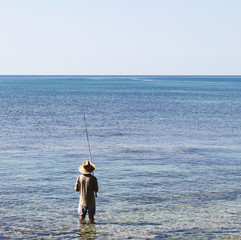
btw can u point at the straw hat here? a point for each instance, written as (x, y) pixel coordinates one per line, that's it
(87, 167)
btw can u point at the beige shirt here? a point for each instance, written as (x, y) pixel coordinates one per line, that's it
(87, 185)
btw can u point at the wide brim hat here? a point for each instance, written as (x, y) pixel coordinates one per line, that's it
(87, 167)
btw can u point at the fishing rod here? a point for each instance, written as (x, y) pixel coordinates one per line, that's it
(87, 137)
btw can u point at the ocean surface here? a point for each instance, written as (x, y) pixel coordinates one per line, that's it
(167, 151)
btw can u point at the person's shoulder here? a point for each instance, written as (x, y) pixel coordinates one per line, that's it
(93, 177)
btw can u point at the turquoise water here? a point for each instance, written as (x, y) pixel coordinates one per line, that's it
(166, 149)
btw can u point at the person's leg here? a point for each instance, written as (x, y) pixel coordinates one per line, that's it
(91, 218)
(91, 212)
(82, 212)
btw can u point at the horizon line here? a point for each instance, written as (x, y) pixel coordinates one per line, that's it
(120, 74)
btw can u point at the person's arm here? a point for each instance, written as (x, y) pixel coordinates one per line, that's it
(77, 185)
(96, 187)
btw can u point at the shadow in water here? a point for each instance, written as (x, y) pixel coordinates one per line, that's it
(87, 231)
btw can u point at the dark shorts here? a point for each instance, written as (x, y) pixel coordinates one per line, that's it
(82, 210)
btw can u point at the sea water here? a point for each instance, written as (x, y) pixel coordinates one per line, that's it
(167, 151)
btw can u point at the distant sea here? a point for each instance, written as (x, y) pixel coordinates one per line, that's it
(167, 151)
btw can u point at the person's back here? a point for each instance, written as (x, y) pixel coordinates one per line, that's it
(87, 186)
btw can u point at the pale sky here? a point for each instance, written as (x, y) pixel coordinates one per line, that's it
(120, 37)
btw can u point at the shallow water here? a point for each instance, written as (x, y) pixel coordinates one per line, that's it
(166, 150)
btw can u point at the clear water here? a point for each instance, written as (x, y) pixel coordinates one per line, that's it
(166, 149)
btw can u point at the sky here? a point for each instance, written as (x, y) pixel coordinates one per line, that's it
(120, 37)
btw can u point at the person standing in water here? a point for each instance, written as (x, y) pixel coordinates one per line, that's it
(87, 186)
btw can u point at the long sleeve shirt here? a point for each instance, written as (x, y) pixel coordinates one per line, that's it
(87, 185)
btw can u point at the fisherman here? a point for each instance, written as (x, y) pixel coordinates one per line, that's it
(87, 185)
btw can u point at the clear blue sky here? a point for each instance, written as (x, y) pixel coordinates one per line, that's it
(120, 37)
